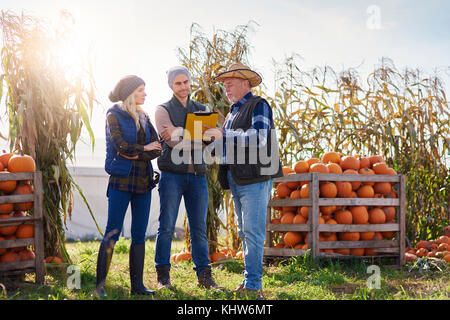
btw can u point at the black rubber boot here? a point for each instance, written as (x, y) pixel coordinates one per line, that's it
(137, 256)
(105, 253)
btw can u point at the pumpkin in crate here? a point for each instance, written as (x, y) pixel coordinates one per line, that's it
(10, 256)
(2, 250)
(4, 158)
(6, 208)
(7, 186)
(25, 231)
(349, 162)
(26, 255)
(301, 166)
(21, 163)
(331, 157)
(7, 230)
(23, 189)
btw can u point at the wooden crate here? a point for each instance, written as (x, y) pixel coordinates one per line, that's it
(385, 248)
(27, 266)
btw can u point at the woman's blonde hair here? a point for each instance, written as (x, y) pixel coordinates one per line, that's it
(129, 105)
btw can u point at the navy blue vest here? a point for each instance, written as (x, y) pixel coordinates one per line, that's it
(115, 164)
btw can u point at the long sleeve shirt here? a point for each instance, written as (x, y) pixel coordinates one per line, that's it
(259, 130)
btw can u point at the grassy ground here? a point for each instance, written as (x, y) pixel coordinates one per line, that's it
(294, 279)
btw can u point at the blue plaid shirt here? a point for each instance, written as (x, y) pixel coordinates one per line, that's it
(261, 121)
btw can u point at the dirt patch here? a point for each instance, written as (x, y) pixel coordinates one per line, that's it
(348, 288)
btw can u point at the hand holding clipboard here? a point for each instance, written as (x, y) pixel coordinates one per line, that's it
(196, 124)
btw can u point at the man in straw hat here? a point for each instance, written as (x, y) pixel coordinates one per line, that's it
(248, 133)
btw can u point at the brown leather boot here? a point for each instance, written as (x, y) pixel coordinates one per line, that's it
(206, 280)
(163, 277)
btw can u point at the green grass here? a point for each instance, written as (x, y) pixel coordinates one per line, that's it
(296, 278)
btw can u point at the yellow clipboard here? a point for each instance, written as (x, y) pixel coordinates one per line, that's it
(194, 122)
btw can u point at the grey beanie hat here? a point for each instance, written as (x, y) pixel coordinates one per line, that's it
(173, 72)
(125, 87)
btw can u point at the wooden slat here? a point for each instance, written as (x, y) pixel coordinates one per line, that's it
(18, 265)
(16, 221)
(387, 250)
(294, 177)
(290, 202)
(284, 252)
(345, 256)
(334, 201)
(16, 243)
(339, 177)
(359, 227)
(288, 227)
(358, 202)
(268, 238)
(313, 220)
(358, 177)
(358, 244)
(17, 176)
(17, 198)
(402, 220)
(39, 228)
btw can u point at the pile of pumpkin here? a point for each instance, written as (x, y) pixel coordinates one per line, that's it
(336, 163)
(15, 163)
(438, 248)
(223, 254)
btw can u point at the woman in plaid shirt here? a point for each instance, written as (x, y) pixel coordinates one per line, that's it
(131, 144)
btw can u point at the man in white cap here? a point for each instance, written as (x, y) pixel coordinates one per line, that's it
(248, 133)
(178, 180)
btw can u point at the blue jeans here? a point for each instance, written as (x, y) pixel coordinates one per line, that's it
(118, 202)
(194, 189)
(250, 206)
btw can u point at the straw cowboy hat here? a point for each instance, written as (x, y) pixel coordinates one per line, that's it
(238, 70)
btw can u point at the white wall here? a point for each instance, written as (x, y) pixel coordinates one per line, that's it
(93, 182)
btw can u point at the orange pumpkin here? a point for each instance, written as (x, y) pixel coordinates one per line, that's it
(7, 186)
(23, 189)
(331, 156)
(4, 158)
(292, 238)
(21, 163)
(25, 231)
(6, 208)
(301, 166)
(9, 256)
(7, 230)
(349, 162)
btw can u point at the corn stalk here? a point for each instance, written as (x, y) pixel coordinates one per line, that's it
(47, 108)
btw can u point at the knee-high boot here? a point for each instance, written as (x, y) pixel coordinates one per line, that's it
(137, 256)
(103, 262)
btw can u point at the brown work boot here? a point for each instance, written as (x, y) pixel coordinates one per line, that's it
(163, 277)
(206, 280)
(239, 289)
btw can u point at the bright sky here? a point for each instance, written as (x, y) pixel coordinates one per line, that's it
(141, 37)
